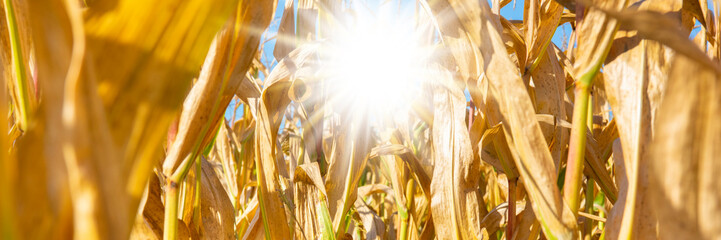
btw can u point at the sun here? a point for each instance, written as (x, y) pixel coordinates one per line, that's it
(374, 61)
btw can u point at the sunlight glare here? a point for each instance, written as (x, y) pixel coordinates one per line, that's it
(375, 62)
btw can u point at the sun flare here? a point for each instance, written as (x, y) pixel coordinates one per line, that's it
(375, 62)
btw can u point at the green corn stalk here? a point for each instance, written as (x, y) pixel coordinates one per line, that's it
(20, 76)
(577, 144)
(196, 201)
(327, 231)
(589, 182)
(403, 211)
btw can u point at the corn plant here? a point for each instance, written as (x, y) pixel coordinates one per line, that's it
(360, 119)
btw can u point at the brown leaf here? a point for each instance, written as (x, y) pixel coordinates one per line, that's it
(223, 72)
(534, 160)
(498, 217)
(594, 36)
(367, 190)
(595, 167)
(372, 223)
(23, 99)
(306, 195)
(568, 4)
(622, 173)
(347, 159)
(497, 137)
(310, 173)
(652, 24)
(514, 41)
(285, 38)
(274, 99)
(216, 210)
(541, 18)
(224, 150)
(694, 7)
(409, 159)
(549, 81)
(120, 97)
(28, 174)
(149, 223)
(39, 151)
(682, 185)
(634, 83)
(454, 201)
(306, 20)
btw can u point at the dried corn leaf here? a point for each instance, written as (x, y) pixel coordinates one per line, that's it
(487, 141)
(223, 72)
(348, 157)
(306, 20)
(595, 167)
(454, 201)
(695, 8)
(410, 160)
(39, 151)
(550, 82)
(33, 212)
(310, 173)
(683, 167)
(660, 21)
(270, 108)
(497, 218)
(541, 18)
(372, 223)
(255, 226)
(595, 158)
(497, 136)
(513, 38)
(635, 81)
(216, 210)
(308, 190)
(595, 34)
(8, 217)
(398, 178)
(285, 40)
(247, 218)
(465, 56)
(248, 88)
(615, 216)
(568, 4)
(367, 190)
(534, 162)
(116, 111)
(225, 150)
(16, 38)
(149, 223)
(524, 227)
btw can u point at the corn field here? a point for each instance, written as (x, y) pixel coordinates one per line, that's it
(367, 119)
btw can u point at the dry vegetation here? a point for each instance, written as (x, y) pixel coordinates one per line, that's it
(115, 123)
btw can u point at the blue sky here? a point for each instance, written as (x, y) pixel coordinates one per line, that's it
(512, 11)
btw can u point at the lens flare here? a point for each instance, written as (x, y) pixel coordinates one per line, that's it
(375, 61)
